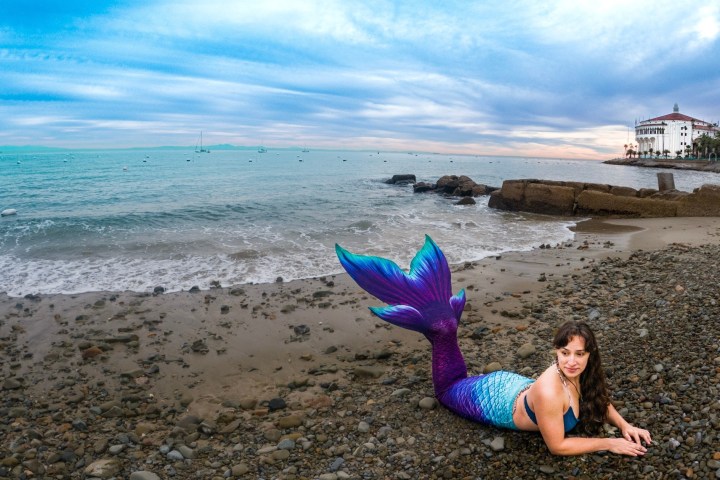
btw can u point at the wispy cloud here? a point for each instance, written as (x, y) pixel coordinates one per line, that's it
(564, 78)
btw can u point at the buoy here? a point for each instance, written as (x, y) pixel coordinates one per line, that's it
(8, 211)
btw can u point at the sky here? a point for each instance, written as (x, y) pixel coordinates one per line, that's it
(565, 79)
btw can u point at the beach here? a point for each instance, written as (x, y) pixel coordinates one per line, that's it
(297, 380)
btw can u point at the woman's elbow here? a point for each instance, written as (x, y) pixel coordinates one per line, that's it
(559, 450)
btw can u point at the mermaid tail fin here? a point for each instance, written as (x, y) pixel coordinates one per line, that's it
(416, 299)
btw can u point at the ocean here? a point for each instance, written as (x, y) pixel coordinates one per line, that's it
(133, 219)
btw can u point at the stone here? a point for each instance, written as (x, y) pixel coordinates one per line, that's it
(143, 475)
(526, 350)
(402, 179)
(290, 421)
(427, 403)
(497, 444)
(103, 468)
(492, 367)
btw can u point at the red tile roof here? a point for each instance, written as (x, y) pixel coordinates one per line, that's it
(675, 116)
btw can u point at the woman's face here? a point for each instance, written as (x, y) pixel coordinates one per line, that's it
(572, 358)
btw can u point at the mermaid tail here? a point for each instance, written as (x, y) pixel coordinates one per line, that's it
(422, 301)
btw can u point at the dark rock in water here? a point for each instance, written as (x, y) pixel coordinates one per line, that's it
(158, 290)
(279, 280)
(194, 289)
(401, 179)
(466, 201)
(32, 297)
(276, 404)
(421, 187)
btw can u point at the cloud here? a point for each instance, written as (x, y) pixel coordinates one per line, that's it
(567, 76)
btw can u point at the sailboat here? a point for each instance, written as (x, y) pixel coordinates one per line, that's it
(262, 149)
(201, 149)
(305, 149)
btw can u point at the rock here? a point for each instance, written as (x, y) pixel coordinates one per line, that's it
(175, 456)
(492, 367)
(497, 444)
(12, 384)
(291, 421)
(466, 201)
(427, 403)
(103, 468)
(143, 475)
(401, 179)
(422, 187)
(277, 404)
(239, 469)
(526, 350)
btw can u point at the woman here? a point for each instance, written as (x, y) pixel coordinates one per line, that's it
(422, 301)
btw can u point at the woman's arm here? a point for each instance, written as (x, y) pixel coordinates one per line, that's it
(629, 432)
(549, 411)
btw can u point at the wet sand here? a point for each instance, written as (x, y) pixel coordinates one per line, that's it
(251, 337)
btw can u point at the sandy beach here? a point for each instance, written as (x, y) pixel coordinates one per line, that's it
(296, 380)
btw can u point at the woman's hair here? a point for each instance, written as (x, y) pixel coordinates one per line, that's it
(595, 396)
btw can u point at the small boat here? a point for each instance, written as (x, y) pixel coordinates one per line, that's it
(8, 212)
(200, 149)
(306, 150)
(262, 149)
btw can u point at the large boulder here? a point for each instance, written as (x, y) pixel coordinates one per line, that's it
(703, 202)
(597, 203)
(549, 199)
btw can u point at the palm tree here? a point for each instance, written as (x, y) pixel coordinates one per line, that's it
(678, 153)
(651, 151)
(688, 148)
(665, 152)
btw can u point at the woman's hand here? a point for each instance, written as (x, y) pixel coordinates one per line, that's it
(636, 435)
(626, 447)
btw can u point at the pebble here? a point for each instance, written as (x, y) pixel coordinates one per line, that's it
(143, 475)
(497, 444)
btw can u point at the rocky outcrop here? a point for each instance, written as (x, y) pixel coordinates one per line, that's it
(591, 199)
(450, 185)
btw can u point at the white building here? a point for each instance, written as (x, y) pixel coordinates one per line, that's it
(672, 132)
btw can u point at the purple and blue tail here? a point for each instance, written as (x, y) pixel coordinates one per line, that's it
(421, 300)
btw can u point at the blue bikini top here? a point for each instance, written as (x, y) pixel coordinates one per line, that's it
(569, 419)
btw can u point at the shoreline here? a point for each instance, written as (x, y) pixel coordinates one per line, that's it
(311, 343)
(496, 287)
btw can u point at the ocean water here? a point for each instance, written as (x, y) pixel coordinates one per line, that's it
(134, 220)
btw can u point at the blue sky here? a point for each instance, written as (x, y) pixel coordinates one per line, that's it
(558, 79)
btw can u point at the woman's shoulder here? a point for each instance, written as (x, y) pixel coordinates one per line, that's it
(548, 383)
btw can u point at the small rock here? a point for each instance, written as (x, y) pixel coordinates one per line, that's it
(143, 475)
(427, 403)
(497, 444)
(526, 350)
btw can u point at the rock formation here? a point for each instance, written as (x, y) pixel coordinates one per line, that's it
(592, 199)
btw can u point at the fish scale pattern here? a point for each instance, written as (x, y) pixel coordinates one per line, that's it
(486, 398)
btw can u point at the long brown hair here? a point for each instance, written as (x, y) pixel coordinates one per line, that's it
(595, 396)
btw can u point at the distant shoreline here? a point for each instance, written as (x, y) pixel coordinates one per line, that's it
(675, 164)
